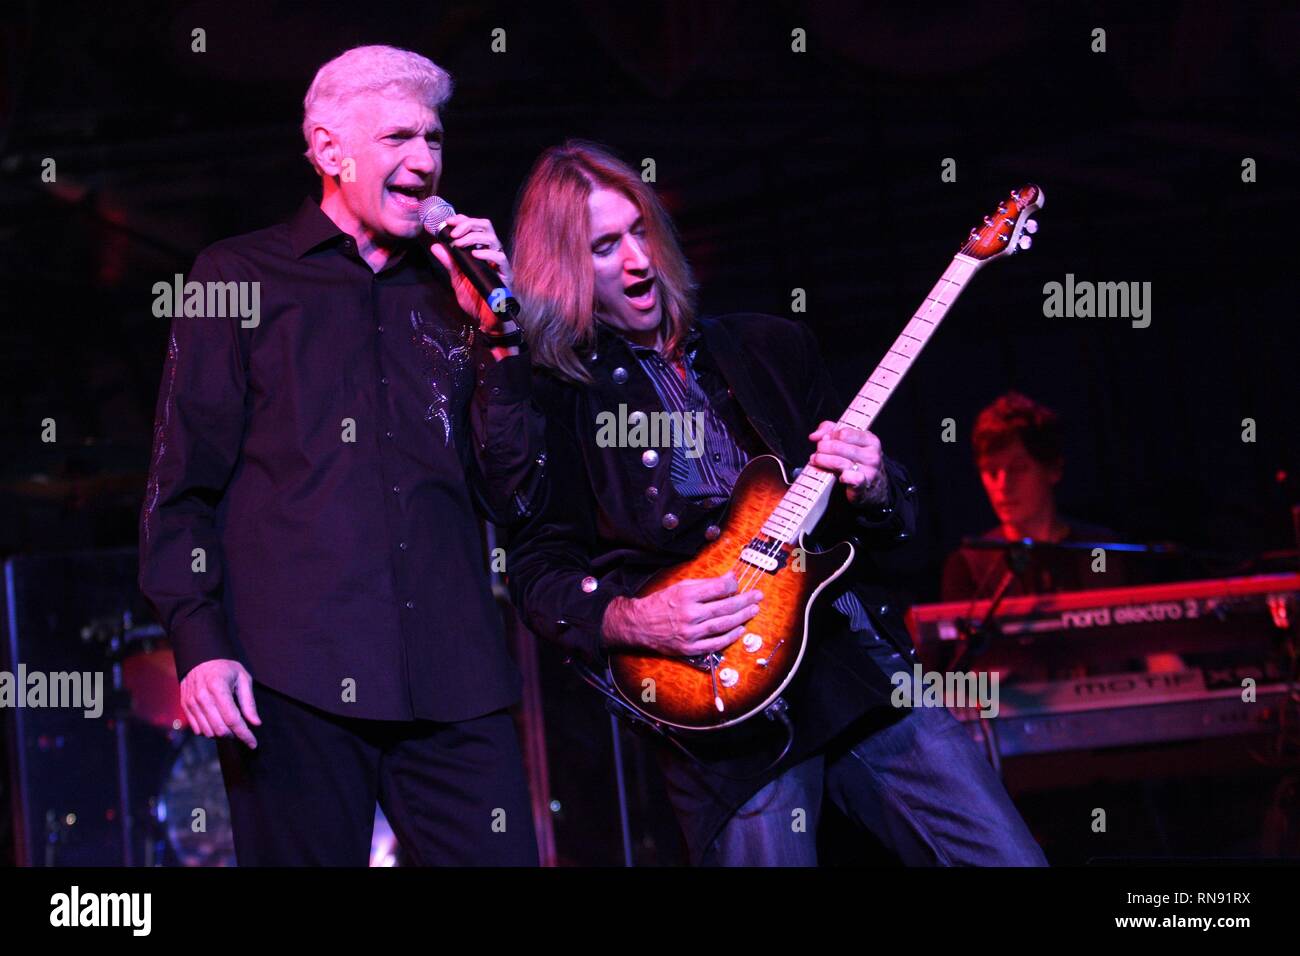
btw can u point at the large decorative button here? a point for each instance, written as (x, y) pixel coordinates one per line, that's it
(652, 492)
(670, 521)
(712, 532)
(649, 457)
(590, 584)
(620, 375)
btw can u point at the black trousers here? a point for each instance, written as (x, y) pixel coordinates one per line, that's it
(454, 793)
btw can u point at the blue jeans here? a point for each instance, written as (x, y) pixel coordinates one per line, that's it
(921, 785)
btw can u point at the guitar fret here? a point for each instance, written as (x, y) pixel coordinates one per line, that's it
(809, 487)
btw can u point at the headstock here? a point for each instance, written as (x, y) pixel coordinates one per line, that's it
(1007, 231)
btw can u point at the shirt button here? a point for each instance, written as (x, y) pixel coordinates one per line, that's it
(379, 328)
(902, 536)
(712, 532)
(717, 457)
(383, 381)
(397, 489)
(652, 492)
(593, 357)
(884, 609)
(650, 458)
(410, 605)
(590, 584)
(402, 545)
(388, 434)
(670, 521)
(620, 375)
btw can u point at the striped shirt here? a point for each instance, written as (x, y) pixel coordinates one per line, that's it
(709, 477)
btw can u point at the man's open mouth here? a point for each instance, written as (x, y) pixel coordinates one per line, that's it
(641, 295)
(408, 198)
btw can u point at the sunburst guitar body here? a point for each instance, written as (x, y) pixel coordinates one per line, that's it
(766, 525)
(718, 690)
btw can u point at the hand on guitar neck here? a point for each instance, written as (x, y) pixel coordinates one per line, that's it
(686, 619)
(854, 457)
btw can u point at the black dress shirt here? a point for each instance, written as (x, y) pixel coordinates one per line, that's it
(316, 480)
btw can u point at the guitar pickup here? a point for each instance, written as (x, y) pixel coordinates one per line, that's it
(764, 562)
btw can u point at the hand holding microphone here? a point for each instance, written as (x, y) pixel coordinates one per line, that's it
(473, 255)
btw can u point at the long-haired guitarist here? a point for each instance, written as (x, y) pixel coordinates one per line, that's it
(652, 413)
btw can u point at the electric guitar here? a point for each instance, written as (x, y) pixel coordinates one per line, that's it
(764, 529)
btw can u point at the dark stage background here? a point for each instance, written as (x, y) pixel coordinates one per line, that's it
(818, 170)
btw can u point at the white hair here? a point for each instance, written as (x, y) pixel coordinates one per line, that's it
(369, 69)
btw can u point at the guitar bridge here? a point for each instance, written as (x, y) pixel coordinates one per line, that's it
(704, 662)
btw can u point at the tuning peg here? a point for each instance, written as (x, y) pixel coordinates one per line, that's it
(1031, 226)
(988, 220)
(1025, 242)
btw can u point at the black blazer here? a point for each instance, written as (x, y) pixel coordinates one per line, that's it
(605, 515)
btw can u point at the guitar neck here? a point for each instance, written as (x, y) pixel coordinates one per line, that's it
(806, 499)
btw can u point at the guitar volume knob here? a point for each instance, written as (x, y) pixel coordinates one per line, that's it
(728, 677)
(751, 642)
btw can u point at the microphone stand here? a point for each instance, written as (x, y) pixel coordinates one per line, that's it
(974, 639)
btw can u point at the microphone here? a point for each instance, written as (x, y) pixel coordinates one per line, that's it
(434, 213)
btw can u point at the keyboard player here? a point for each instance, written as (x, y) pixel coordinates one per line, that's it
(1017, 445)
